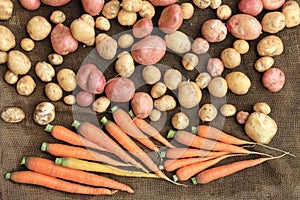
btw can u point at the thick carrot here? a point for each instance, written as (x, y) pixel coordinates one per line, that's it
(147, 128)
(48, 167)
(225, 170)
(62, 150)
(98, 136)
(173, 164)
(30, 177)
(177, 153)
(124, 120)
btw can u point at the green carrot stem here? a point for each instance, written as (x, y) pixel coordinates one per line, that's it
(48, 128)
(76, 123)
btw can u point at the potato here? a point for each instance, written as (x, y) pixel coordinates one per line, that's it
(172, 78)
(165, 103)
(251, 7)
(88, 18)
(44, 113)
(158, 90)
(218, 87)
(125, 41)
(55, 59)
(142, 28)
(291, 11)
(228, 110)
(260, 127)
(126, 18)
(155, 115)
(151, 74)
(238, 82)
(214, 4)
(244, 26)
(149, 51)
(102, 23)
(215, 67)
(106, 46)
(83, 32)
(241, 46)
(124, 65)
(132, 5)
(18, 62)
(93, 7)
(273, 79)
(231, 58)
(270, 45)
(38, 28)
(7, 39)
(142, 104)
(180, 121)
(273, 22)
(91, 79)
(162, 2)
(84, 98)
(178, 42)
(26, 85)
(272, 4)
(120, 89)
(70, 99)
(53, 91)
(203, 80)
(57, 17)
(262, 107)
(27, 44)
(200, 46)
(10, 77)
(55, 3)
(66, 79)
(208, 112)
(147, 10)
(188, 10)
(111, 9)
(214, 30)
(264, 63)
(12, 114)
(3, 57)
(190, 61)
(224, 12)
(189, 94)
(242, 116)
(171, 18)
(202, 4)
(6, 9)
(30, 4)
(44, 71)
(101, 104)
(62, 40)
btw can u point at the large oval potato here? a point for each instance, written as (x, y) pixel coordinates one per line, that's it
(83, 32)
(178, 42)
(142, 104)
(238, 82)
(92, 7)
(291, 11)
(214, 30)
(142, 28)
(120, 89)
(7, 39)
(270, 45)
(18, 62)
(171, 18)
(189, 94)
(38, 28)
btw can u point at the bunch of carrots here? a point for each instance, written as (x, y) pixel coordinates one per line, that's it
(92, 149)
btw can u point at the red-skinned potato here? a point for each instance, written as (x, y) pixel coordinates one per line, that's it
(120, 89)
(142, 104)
(171, 18)
(214, 30)
(251, 7)
(91, 79)
(272, 4)
(92, 7)
(273, 79)
(84, 98)
(55, 3)
(31, 4)
(149, 50)
(62, 40)
(142, 28)
(163, 2)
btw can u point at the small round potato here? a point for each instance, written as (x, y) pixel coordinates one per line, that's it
(26, 85)
(44, 113)
(125, 65)
(165, 103)
(238, 82)
(203, 79)
(242, 116)
(241, 46)
(126, 18)
(158, 90)
(57, 17)
(101, 104)
(27, 44)
(224, 12)
(190, 61)
(83, 32)
(147, 10)
(106, 46)
(88, 18)
(202, 4)
(18, 62)
(44, 71)
(3, 57)
(208, 112)
(218, 87)
(155, 115)
(214, 30)
(215, 67)
(228, 110)
(55, 59)
(6, 9)
(172, 78)
(264, 63)
(70, 99)
(53, 91)
(12, 114)
(66, 79)
(7, 39)
(262, 107)
(132, 5)
(273, 22)
(84, 98)
(231, 58)
(189, 94)
(214, 4)
(188, 10)
(180, 121)
(141, 104)
(38, 28)
(102, 23)
(151, 74)
(10, 77)
(273, 79)
(200, 46)
(270, 45)
(125, 41)
(111, 9)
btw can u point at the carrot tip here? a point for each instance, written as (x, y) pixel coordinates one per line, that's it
(48, 128)
(44, 146)
(8, 175)
(76, 123)
(23, 161)
(171, 134)
(114, 109)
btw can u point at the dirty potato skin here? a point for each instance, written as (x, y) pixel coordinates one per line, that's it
(44, 113)
(291, 11)
(12, 114)
(273, 22)
(38, 28)
(214, 30)
(18, 62)
(26, 85)
(270, 45)
(7, 39)
(171, 18)
(238, 82)
(6, 9)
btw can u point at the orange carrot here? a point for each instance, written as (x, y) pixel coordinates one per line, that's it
(48, 167)
(30, 177)
(98, 136)
(225, 170)
(124, 120)
(62, 150)
(176, 153)
(171, 164)
(145, 127)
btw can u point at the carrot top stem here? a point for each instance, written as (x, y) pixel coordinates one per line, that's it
(8, 175)
(171, 134)
(76, 124)
(114, 109)
(49, 128)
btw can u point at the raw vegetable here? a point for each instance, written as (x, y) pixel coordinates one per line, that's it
(171, 165)
(158, 90)
(231, 58)
(38, 28)
(200, 46)
(155, 115)
(241, 46)
(84, 98)
(7, 39)
(27, 44)
(251, 7)
(172, 78)
(101, 104)
(44, 71)
(214, 30)
(217, 86)
(106, 46)
(44, 113)
(66, 79)
(270, 45)
(55, 59)
(189, 94)
(203, 79)
(272, 4)
(242, 116)
(12, 114)
(178, 42)
(125, 65)
(264, 63)
(273, 79)
(180, 121)
(30, 4)
(151, 74)
(238, 82)
(273, 22)
(291, 11)
(215, 67)
(111, 9)
(207, 112)
(26, 85)
(10, 77)
(125, 41)
(142, 104)
(102, 23)
(53, 91)
(58, 17)
(93, 7)
(147, 10)
(262, 107)
(120, 89)
(171, 18)
(132, 5)
(165, 103)
(188, 10)
(228, 110)
(83, 32)
(18, 62)
(126, 18)
(224, 12)
(190, 61)
(55, 3)
(142, 28)
(179, 153)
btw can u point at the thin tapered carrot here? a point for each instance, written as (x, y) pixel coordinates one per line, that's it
(62, 150)
(98, 136)
(177, 153)
(147, 128)
(34, 178)
(48, 167)
(173, 164)
(225, 170)
(124, 120)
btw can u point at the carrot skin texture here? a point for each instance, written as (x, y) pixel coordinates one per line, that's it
(48, 167)
(171, 165)
(177, 153)
(34, 178)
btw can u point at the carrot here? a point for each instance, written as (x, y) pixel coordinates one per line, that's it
(132, 147)
(98, 136)
(124, 120)
(225, 170)
(48, 167)
(62, 150)
(177, 153)
(145, 127)
(30, 177)
(171, 164)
